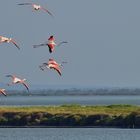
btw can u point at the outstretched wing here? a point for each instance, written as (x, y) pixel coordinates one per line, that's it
(47, 11)
(2, 92)
(55, 67)
(63, 42)
(51, 47)
(52, 61)
(43, 66)
(64, 62)
(36, 46)
(12, 76)
(15, 44)
(25, 4)
(26, 86)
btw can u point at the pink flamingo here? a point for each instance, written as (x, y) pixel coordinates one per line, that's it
(8, 40)
(37, 7)
(52, 64)
(51, 44)
(16, 80)
(2, 91)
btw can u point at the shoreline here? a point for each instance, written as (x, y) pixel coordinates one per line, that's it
(65, 127)
(71, 116)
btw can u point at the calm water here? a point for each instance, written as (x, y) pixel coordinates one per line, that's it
(59, 100)
(68, 134)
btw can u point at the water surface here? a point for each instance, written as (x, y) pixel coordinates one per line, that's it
(68, 134)
(60, 100)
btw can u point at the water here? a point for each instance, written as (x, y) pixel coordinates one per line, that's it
(68, 134)
(60, 100)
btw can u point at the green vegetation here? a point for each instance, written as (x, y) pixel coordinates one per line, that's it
(126, 116)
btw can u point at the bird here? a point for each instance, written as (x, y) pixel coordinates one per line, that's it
(8, 40)
(16, 80)
(37, 7)
(51, 44)
(52, 64)
(2, 91)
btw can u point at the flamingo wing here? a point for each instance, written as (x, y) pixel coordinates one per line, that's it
(15, 44)
(26, 86)
(55, 67)
(25, 4)
(51, 47)
(63, 42)
(47, 11)
(12, 76)
(43, 66)
(2, 92)
(52, 61)
(36, 46)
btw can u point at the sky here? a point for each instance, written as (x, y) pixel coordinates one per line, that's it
(103, 42)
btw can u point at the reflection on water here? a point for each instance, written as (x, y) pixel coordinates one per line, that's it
(68, 134)
(60, 100)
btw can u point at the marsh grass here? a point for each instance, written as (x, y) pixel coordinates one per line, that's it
(76, 109)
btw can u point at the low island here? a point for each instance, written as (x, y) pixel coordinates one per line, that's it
(117, 116)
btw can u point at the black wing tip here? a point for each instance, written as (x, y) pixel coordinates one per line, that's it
(50, 50)
(20, 4)
(8, 75)
(51, 15)
(41, 68)
(23, 3)
(34, 46)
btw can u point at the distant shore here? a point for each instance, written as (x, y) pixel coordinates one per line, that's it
(77, 92)
(71, 116)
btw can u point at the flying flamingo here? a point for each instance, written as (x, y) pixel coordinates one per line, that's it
(37, 7)
(8, 40)
(16, 80)
(2, 91)
(51, 44)
(52, 64)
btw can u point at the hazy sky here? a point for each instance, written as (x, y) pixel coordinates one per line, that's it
(103, 36)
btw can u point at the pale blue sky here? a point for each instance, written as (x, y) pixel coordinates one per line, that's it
(103, 36)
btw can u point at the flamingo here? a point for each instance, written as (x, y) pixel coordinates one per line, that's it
(2, 91)
(16, 80)
(52, 64)
(51, 44)
(8, 40)
(37, 7)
